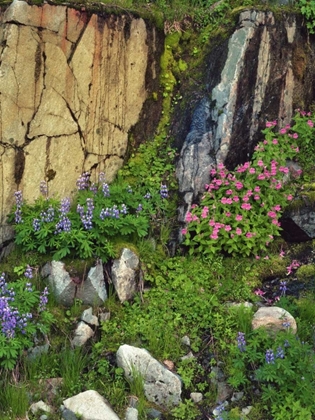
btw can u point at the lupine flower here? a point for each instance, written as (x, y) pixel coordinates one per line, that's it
(280, 353)
(101, 177)
(83, 181)
(28, 273)
(64, 223)
(29, 287)
(10, 318)
(163, 191)
(147, 196)
(93, 188)
(36, 225)
(218, 412)
(43, 188)
(105, 189)
(270, 357)
(241, 342)
(184, 231)
(139, 208)
(123, 209)
(19, 201)
(310, 123)
(47, 216)
(86, 218)
(129, 189)
(283, 287)
(43, 300)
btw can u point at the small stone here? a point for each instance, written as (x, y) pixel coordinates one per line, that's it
(169, 364)
(68, 415)
(237, 396)
(247, 410)
(154, 414)
(88, 317)
(105, 316)
(218, 375)
(131, 414)
(185, 340)
(40, 405)
(188, 356)
(82, 334)
(133, 401)
(223, 391)
(196, 397)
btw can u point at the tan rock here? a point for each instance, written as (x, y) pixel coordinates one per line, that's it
(71, 87)
(274, 319)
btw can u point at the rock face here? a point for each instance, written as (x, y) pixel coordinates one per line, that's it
(261, 73)
(160, 385)
(72, 84)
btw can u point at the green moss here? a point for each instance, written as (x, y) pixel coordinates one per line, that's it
(306, 272)
(182, 65)
(275, 266)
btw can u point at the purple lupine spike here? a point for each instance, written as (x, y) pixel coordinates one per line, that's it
(270, 357)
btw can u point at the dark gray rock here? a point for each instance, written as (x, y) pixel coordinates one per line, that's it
(60, 282)
(92, 291)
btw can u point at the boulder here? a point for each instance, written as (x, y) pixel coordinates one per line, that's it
(82, 334)
(60, 282)
(90, 405)
(88, 317)
(274, 319)
(92, 290)
(161, 386)
(124, 272)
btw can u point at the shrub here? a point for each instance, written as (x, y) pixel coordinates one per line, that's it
(240, 210)
(22, 314)
(88, 226)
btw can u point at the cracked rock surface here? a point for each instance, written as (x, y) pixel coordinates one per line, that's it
(72, 84)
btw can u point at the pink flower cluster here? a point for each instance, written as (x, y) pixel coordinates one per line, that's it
(245, 204)
(293, 266)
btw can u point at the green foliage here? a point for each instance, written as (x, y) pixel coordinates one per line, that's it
(277, 364)
(304, 127)
(306, 272)
(98, 216)
(185, 411)
(307, 8)
(22, 315)
(240, 210)
(13, 400)
(72, 364)
(291, 408)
